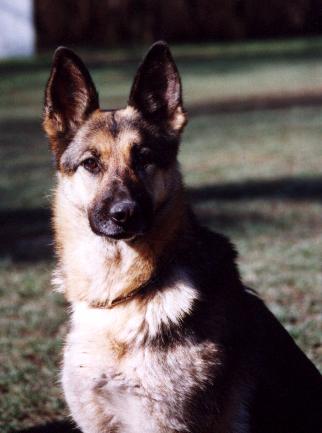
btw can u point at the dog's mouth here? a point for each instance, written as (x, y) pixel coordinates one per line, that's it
(115, 231)
(121, 234)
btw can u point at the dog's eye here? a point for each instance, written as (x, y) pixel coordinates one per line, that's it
(91, 165)
(144, 157)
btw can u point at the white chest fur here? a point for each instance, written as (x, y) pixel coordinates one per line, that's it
(114, 379)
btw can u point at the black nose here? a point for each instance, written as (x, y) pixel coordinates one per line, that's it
(121, 212)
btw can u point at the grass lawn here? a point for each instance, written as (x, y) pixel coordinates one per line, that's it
(254, 174)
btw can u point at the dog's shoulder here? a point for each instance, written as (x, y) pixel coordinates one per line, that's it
(210, 256)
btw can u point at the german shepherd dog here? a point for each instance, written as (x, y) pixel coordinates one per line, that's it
(164, 337)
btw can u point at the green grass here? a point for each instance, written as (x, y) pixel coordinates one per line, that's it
(254, 175)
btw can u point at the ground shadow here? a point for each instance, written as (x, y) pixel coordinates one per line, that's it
(26, 233)
(290, 188)
(53, 427)
(220, 219)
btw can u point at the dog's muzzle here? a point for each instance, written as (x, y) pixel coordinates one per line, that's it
(121, 220)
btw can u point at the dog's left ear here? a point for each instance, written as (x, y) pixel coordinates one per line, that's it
(156, 91)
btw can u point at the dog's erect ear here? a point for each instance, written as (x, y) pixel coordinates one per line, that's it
(70, 97)
(156, 91)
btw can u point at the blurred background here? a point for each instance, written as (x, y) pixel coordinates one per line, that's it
(251, 156)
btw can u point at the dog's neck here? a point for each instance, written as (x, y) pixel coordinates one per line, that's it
(102, 272)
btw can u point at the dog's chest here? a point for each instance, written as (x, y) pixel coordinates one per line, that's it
(143, 389)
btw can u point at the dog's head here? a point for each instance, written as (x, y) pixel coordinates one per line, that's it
(118, 167)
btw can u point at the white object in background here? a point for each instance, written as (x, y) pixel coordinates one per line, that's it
(17, 33)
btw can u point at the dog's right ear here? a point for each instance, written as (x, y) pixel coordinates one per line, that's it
(156, 91)
(70, 97)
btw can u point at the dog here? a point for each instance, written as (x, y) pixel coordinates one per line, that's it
(164, 337)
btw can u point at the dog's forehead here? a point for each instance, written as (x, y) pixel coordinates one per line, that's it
(107, 134)
(111, 130)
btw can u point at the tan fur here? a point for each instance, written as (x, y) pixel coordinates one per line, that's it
(114, 271)
(51, 127)
(179, 119)
(101, 143)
